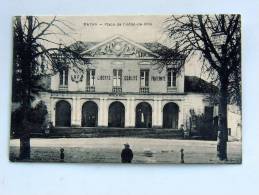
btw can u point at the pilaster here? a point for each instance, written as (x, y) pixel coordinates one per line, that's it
(159, 113)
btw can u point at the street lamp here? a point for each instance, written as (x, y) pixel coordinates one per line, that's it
(218, 39)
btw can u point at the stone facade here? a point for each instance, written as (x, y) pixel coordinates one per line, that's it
(119, 53)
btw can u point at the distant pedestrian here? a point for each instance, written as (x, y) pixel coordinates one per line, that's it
(48, 129)
(182, 130)
(62, 155)
(182, 155)
(126, 154)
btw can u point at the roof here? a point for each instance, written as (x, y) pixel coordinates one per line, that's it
(197, 85)
(81, 46)
(153, 48)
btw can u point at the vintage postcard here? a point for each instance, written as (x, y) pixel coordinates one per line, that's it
(127, 89)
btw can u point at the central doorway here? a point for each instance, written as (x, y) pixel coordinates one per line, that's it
(89, 114)
(116, 115)
(143, 115)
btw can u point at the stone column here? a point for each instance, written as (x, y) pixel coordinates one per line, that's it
(127, 113)
(132, 112)
(105, 112)
(180, 114)
(52, 111)
(78, 112)
(159, 113)
(154, 113)
(100, 113)
(73, 112)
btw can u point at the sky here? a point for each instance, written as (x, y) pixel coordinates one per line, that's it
(138, 28)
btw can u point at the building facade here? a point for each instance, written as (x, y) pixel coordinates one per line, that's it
(121, 86)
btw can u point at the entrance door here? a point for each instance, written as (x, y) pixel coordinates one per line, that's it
(170, 115)
(89, 114)
(116, 115)
(143, 115)
(63, 114)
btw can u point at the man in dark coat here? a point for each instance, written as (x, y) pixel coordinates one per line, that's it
(126, 154)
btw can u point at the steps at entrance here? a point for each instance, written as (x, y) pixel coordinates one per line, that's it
(90, 132)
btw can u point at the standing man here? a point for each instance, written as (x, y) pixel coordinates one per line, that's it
(126, 154)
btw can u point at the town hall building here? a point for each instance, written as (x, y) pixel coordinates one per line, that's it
(122, 87)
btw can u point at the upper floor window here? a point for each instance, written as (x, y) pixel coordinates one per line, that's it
(63, 77)
(117, 77)
(144, 78)
(171, 78)
(90, 77)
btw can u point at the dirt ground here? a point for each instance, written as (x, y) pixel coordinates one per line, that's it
(107, 150)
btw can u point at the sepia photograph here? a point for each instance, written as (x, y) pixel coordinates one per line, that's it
(139, 89)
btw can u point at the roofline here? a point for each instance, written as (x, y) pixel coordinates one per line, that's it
(120, 58)
(124, 58)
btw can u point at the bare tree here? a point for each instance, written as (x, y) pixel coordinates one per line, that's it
(217, 38)
(32, 61)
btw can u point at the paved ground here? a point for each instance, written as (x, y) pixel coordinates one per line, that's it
(107, 150)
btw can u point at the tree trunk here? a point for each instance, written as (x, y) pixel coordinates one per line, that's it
(26, 63)
(25, 149)
(223, 129)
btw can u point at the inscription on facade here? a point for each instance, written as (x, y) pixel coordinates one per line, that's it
(104, 77)
(130, 78)
(158, 78)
